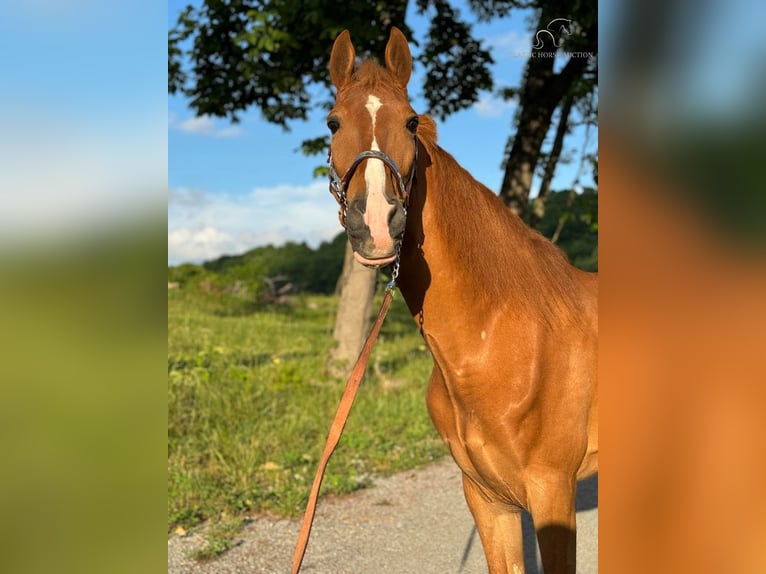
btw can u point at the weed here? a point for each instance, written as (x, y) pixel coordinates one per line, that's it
(218, 538)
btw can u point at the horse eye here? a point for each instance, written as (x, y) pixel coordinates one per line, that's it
(333, 124)
(412, 124)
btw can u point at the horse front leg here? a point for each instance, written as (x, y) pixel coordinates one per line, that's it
(552, 505)
(499, 527)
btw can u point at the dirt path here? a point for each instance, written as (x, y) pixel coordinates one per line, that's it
(415, 522)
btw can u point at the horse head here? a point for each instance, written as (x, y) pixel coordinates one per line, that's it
(373, 151)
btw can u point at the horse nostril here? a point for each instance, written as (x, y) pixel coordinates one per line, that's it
(355, 216)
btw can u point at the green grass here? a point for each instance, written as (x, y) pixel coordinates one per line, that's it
(218, 538)
(250, 403)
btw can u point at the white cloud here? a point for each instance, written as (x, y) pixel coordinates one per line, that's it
(205, 125)
(204, 225)
(197, 125)
(492, 107)
(187, 244)
(514, 44)
(187, 197)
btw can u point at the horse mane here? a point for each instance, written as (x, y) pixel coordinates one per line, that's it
(504, 258)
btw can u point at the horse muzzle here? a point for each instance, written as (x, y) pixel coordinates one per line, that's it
(375, 222)
(375, 231)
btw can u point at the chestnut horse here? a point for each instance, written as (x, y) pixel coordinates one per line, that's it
(511, 325)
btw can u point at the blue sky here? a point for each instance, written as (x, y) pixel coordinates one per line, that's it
(234, 187)
(83, 116)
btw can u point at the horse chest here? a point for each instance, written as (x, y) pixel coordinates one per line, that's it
(479, 432)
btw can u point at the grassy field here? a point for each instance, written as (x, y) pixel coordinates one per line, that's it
(250, 402)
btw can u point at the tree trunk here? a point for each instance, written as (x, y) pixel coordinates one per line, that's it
(357, 288)
(540, 95)
(538, 203)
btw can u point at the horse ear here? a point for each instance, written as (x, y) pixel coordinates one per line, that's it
(398, 57)
(342, 59)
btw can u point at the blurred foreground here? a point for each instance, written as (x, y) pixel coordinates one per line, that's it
(83, 403)
(683, 284)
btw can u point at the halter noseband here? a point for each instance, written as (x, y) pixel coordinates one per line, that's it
(339, 185)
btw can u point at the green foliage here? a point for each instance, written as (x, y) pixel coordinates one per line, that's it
(315, 146)
(307, 270)
(457, 67)
(485, 10)
(186, 273)
(270, 56)
(579, 236)
(254, 275)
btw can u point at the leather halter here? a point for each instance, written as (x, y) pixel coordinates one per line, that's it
(339, 185)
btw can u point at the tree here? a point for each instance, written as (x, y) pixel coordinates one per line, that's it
(538, 204)
(574, 26)
(268, 54)
(227, 56)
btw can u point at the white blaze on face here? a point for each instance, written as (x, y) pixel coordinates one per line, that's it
(376, 214)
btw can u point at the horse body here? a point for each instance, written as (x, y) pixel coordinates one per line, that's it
(513, 390)
(512, 326)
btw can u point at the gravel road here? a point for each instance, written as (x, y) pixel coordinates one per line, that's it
(414, 522)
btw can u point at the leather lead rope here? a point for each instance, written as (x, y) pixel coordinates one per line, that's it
(336, 429)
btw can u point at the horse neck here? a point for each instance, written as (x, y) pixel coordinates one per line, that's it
(465, 253)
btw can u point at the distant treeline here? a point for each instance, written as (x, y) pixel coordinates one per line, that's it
(270, 272)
